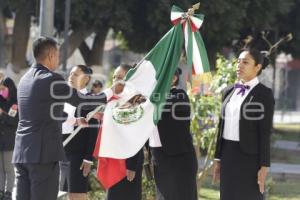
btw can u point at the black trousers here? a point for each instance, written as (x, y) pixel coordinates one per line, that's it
(238, 179)
(37, 181)
(126, 190)
(175, 176)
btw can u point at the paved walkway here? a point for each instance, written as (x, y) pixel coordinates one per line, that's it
(287, 145)
(285, 168)
(286, 117)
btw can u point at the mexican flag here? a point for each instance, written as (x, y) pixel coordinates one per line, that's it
(127, 126)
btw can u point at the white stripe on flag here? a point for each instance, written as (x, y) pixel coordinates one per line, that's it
(186, 36)
(198, 22)
(175, 15)
(143, 80)
(197, 62)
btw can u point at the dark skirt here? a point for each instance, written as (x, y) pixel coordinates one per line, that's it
(238, 179)
(126, 190)
(175, 176)
(71, 176)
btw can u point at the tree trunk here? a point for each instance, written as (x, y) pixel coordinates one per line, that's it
(2, 43)
(85, 51)
(21, 35)
(94, 56)
(212, 58)
(75, 39)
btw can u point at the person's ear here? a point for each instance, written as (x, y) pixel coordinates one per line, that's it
(258, 67)
(174, 80)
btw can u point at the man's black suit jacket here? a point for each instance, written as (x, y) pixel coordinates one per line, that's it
(255, 125)
(38, 137)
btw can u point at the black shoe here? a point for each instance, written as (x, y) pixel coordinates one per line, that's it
(7, 196)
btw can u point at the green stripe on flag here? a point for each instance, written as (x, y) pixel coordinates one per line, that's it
(165, 58)
(176, 9)
(199, 16)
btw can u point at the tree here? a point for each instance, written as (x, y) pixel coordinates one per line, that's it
(21, 34)
(23, 10)
(93, 16)
(142, 23)
(225, 21)
(2, 35)
(231, 20)
(290, 23)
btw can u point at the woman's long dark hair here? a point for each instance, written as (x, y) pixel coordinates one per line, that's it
(9, 83)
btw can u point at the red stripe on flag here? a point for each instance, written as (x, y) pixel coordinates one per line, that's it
(193, 26)
(176, 21)
(109, 171)
(193, 70)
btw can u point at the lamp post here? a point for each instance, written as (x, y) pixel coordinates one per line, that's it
(66, 35)
(46, 18)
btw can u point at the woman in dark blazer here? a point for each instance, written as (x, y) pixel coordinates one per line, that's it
(173, 153)
(8, 125)
(242, 155)
(79, 151)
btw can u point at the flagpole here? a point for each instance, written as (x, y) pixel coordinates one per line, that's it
(88, 117)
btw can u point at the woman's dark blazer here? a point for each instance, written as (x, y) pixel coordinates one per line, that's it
(256, 118)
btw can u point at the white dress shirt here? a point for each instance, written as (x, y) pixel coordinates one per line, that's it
(154, 139)
(232, 112)
(68, 125)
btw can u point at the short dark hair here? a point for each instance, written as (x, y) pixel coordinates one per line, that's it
(41, 46)
(85, 69)
(97, 83)
(178, 72)
(125, 67)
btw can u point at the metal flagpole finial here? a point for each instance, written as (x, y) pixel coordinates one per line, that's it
(196, 6)
(191, 11)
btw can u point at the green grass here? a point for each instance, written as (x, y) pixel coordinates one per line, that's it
(288, 190)
(284, 156)
(290, 136)
(209, 194)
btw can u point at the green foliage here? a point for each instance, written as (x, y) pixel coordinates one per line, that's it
(148, 189)
(290, 23)
(206, 109)
(143, 22)
(97, 191)
(225, 75)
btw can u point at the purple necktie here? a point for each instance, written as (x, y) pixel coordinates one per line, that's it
(242, 88)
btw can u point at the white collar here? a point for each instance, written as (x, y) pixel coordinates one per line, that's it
(252, 82)
(83, 91)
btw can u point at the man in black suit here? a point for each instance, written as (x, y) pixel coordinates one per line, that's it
(38, 143)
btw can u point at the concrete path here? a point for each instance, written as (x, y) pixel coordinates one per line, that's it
(287, 145)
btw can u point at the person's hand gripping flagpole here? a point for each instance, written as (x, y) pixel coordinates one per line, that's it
(117, 88)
